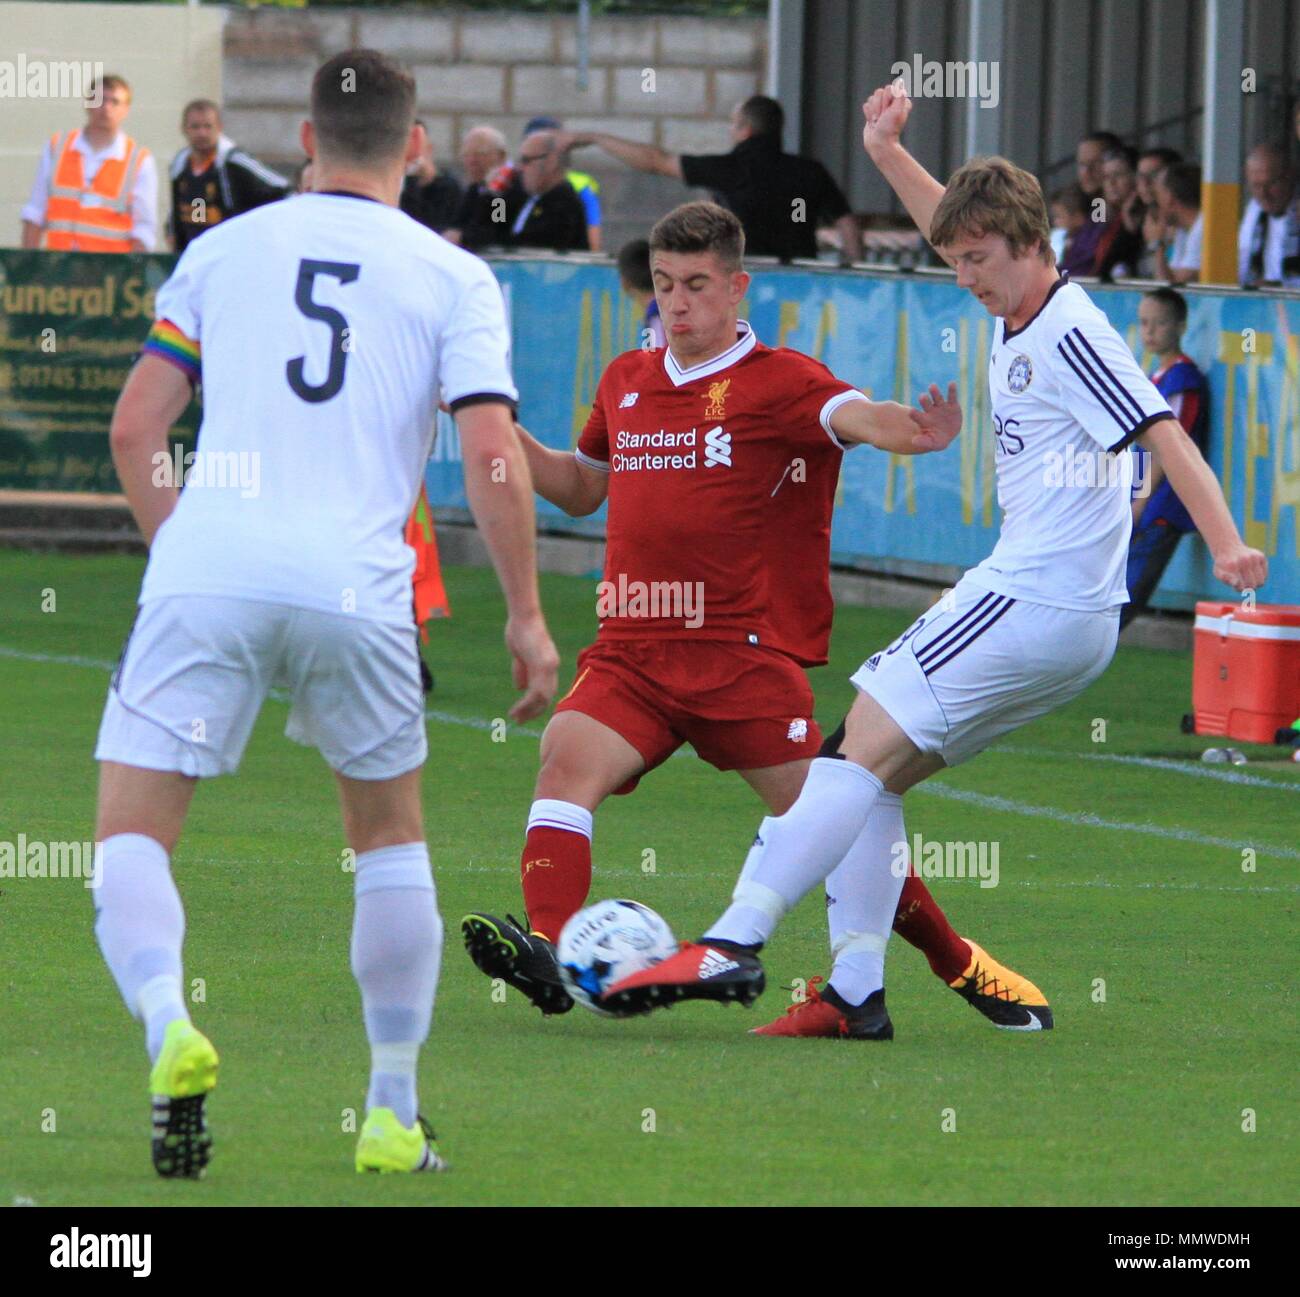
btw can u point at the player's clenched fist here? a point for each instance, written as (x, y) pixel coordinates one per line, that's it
(536, 664)
(886, 114)
(1241, 567)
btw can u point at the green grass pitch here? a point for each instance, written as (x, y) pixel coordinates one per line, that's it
(1119, 877)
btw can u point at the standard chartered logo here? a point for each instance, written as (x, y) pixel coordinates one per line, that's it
(663, 449)
(717, 448)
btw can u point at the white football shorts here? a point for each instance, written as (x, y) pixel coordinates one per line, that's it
(196, 669)
(979, 665)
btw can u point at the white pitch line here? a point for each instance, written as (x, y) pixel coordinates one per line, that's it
(988, 802)
(1157, 763)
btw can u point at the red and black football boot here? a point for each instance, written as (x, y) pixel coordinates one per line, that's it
(700, 970)
(829, 1015)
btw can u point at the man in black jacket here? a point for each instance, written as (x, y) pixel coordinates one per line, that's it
(212, 180)
(553, 216)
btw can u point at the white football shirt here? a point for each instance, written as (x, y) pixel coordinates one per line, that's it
(1067, 396)
(328, 326)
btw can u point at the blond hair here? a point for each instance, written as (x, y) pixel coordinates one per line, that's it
(993, 196)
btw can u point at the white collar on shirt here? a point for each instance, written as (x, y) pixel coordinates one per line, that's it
(115, 150)
(744, 344)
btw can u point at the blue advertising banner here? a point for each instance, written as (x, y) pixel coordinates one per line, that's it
(892, 335)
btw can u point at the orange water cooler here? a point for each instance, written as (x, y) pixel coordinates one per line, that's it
(1246, 671)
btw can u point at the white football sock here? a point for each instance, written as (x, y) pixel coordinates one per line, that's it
(140, 926)
(550, 813)
(861, 898)
(797, 850)
(396, 952)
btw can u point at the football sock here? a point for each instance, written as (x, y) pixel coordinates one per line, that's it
(140, 926)
(921, 922)
(796, 851)
(861, 897)
(396, 951)
(555, 869)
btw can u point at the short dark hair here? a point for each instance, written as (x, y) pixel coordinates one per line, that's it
(1123, 153)
(1166, 156)
(701, 227)
(634, 265)
(763, 115)
(362, 106)
(1107, 139)
(1176, 302)
(1183, 180)
(199, 106)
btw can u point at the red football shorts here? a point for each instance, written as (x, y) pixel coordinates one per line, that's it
(741, 707)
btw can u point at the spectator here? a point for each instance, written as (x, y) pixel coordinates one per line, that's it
(1178, 194)
(107, 199)
(553, 215)
(1150, 163)
(1120, 244)
(586, 187)
(213, 180)
(638, 283)
(493, 191)
(1160, 520)
(1071, 211)
(1088, 156)
(1268, 243)
(779, 197)
(432, 199)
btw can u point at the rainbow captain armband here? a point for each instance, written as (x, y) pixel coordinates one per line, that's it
(167, 342)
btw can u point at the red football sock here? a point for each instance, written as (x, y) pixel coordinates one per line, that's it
(920, 921)
(555, 871)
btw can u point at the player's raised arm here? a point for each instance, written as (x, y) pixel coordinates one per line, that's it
(560, 477)
(885, 115)
(1235, 563)
(892, 427)
(154, 397)
(500, 493)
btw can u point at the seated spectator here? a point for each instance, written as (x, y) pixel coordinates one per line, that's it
(1268, 242)
(1070, 212)
(1178, 194)
(1088, 157)
(638, 283)
(493, 191)
(1151, 225)
(779, 197)
(1120, 244)
(586, 187)
(213, 179)
(432, 199)
(553, 215)
(1160, 520)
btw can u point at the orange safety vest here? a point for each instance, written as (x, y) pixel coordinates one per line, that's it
(95, 217)
(430, 596)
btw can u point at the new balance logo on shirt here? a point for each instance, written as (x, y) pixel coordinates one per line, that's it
(714, 964)
(717, 448)
(798, 731)
(628, 401)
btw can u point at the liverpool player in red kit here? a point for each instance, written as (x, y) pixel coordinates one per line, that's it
(719, 457)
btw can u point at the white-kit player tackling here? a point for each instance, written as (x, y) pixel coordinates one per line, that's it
(325, 330)
(1023, 632)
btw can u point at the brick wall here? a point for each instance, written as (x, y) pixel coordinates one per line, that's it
(502, 69)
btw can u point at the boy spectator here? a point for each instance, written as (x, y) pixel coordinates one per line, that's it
(553, 215)
(431, 198)
(213, 180)
(638, 283)
(1268, 242)
(1160, 520)
(1070, 212)
(96, 189)
(1178, 193)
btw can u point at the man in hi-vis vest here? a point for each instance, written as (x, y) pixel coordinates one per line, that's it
(96, 188)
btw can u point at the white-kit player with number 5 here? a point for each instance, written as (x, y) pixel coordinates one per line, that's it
(1022, 633)
(325, 330)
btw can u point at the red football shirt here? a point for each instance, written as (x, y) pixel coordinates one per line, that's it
(722, 482)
